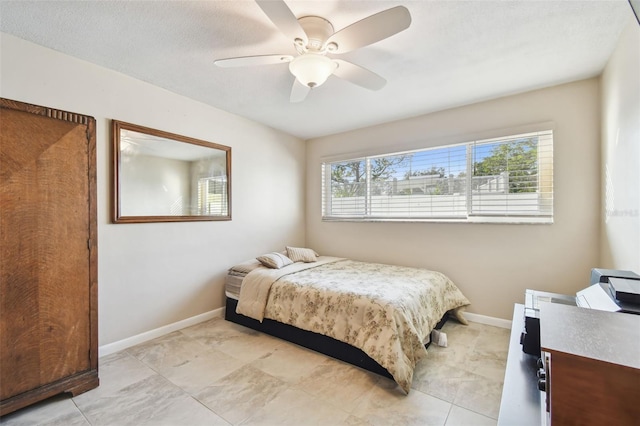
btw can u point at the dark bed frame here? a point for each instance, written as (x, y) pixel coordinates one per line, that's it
(320, 343)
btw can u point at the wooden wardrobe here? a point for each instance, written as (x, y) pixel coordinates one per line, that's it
(48, 254)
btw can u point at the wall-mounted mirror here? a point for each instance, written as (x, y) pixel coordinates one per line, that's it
(163, 177)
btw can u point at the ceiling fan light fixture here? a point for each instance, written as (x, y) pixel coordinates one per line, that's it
(312, 69)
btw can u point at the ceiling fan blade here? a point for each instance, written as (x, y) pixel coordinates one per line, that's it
(371, 29)
(249, 61)
(299, 92)
(284, 19)
(358, 75)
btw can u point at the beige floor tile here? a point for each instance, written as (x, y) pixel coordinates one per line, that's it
(489, 365)
(183, 411)
(355, 421)
(289, 362)
(462, 417)
(296, 408)
(461, 340)
(233, 339)
(494, 342)
(186, 362)
(220, 373)
(148, 402)
(339, 383)
(167, 351)
(203, 370)
(453, 354)
(384, 405)
(239, 395)
(217, 331)
(479, 394)
(59, 410)
(116, 372)
(439, 379)
(459, 335)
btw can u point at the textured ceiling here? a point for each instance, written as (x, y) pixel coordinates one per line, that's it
(454, 53)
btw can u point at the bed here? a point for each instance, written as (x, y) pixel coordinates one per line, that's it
(375, 316)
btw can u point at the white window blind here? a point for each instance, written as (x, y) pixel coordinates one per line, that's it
(507, 179)
(212, 196)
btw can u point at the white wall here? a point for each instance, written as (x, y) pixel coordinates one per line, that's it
(150, 275)
(621, 154)
(154, 186)
(492, 264)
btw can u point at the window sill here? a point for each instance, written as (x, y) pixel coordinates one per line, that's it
(471, 220)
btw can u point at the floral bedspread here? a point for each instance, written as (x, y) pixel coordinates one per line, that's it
(387, 311)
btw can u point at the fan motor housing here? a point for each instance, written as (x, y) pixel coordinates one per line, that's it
(318, 30)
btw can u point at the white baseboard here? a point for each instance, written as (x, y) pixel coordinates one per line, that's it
(483, 319)
(114, 347)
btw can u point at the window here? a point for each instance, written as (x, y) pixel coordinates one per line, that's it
(507, 179)
(212, 195)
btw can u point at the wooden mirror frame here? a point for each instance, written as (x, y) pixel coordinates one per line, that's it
(164, 146)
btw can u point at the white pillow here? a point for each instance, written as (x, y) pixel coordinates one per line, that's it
(245, 267)
(298, 254)
(274, 260)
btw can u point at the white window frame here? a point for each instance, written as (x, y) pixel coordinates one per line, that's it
(544, 188)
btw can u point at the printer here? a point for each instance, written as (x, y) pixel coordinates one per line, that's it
(610, 289)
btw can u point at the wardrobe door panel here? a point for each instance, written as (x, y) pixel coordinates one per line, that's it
(47, 273)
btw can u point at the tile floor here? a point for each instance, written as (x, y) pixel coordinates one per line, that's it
(220, 373)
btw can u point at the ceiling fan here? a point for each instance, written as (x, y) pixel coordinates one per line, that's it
(314, 37)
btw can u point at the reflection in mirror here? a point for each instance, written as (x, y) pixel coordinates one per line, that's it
(162, 177)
